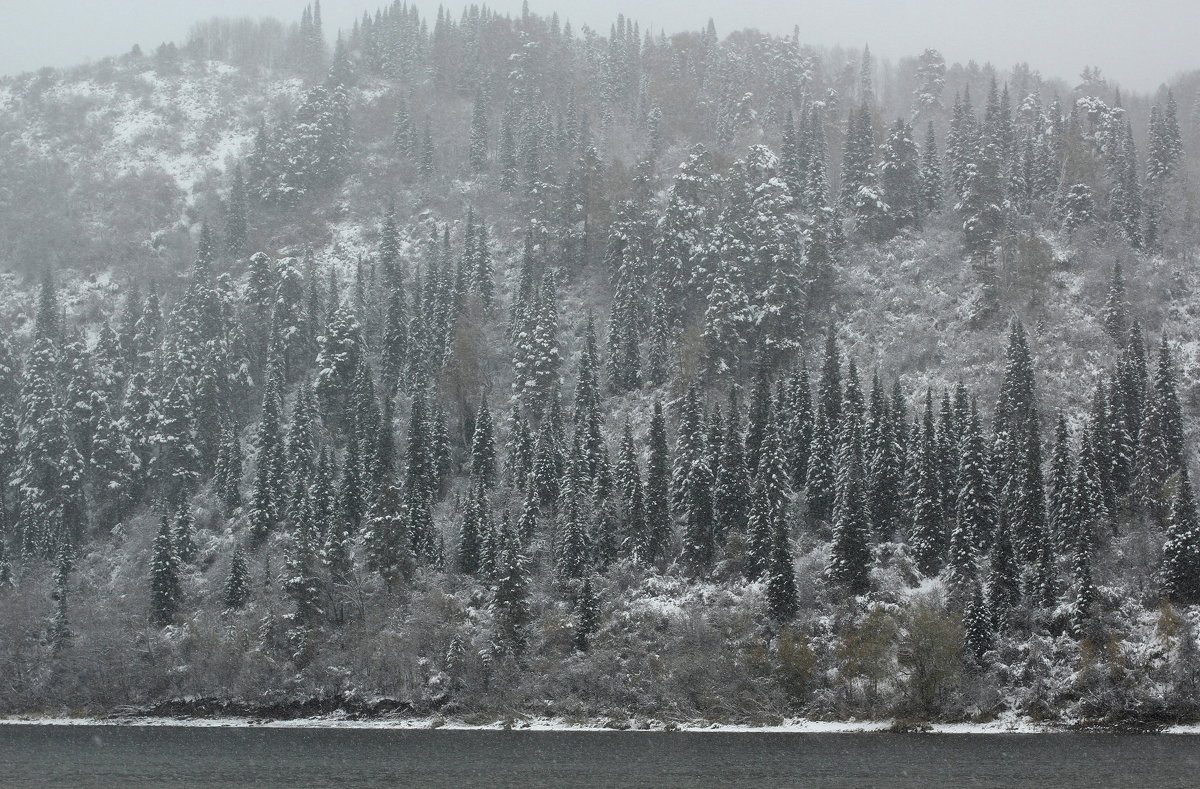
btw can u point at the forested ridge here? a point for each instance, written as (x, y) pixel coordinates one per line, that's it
(476, 367)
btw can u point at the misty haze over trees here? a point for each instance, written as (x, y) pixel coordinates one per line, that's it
(479, 366)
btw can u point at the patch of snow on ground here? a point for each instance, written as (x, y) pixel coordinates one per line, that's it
(789, 726)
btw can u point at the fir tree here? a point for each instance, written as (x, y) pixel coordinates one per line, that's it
(901, 178)
(235, 216)
(1181, 553)
(50, 468)
(692, 484)
(782, 601)
(184, 530)
(176, 459)
(977, 622)
(386, 540)
(1030, 529)
(483, 450)
(850, 555)
(658, 494)
(302, 584)
(478, 148)
(237, 584)
(573, 543)
(1061, 492)
(166, 594)
(227, 475)
(1115, 315)
(1166, 394)
(731, 497)
(883, 466)
(1083, 587)
(425, 164)
(469, 547)
(60, 633)
(929, 539)
(510, 601)
(975, 515)
(830, 391)
(931, 175)
(1003, 583)
(1088, 515)
(820, 477)
(587, 613)
(267, 494)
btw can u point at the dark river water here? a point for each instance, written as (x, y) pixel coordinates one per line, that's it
(79, 757)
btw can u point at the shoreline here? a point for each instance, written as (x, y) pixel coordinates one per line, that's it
(794, 726)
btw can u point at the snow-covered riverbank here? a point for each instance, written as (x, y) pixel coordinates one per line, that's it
(794, 726)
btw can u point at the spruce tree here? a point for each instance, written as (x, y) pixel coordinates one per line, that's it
(60, 633)
(798, 438)
(548, 462)
(658, 494)
(782, 600)
(386, 540)
(50, 471)
(760, 530)
(267, 493)
(820, 478)
(587, 613)
(1061, 492)
(112, 467)
(1030, 529)
(166, 594)
(1004, 582)
(731, 497)
(237, 584)
(975, 514)
(900, 178)
(510, 601)
(883, 466)
(830, 391)
(184, 530)
(302, 584)
(1153, 464)
(928, 536)
(692, 484)
(931, 175)
(469, 547)
(849, 563)
(176, 460)
(478, 145)
(1083, 588)
(1180, 569)
(235, 216)
(1166, 393)
(573, 543)
(227, 475)
(483, 448)
(1088, 515)
(977, 623)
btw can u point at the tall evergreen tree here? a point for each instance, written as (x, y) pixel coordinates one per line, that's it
(510, 601)
(782, 600)
(166, 593)
(850, 555)
(658, 493)
(1181, 553)
(237, 584)
(928, 537)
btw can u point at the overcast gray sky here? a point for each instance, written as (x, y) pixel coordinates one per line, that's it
(1136, 43)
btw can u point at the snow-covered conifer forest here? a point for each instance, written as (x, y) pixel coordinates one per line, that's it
(482, 366)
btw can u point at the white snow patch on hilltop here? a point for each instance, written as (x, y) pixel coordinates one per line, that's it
(186, 125)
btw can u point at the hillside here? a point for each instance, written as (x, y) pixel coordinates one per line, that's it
(478, 367)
